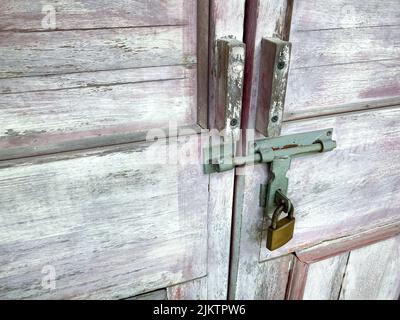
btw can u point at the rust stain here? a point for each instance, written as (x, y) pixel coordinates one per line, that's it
(288, 146)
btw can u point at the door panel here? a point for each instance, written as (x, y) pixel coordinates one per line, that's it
(89, 208)
(91, 77)
(368, 273)
(344, 59)
(112, 222)
(343, 75)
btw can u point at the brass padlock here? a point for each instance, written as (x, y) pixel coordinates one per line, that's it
(280, 232)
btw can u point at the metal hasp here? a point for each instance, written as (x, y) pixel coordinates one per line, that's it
(278, 151)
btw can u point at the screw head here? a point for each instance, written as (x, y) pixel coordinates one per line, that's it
(281, 65)
(274, 118)
(234, 122)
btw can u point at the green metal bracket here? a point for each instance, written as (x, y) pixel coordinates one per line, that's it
(278, 151)
(221, 157)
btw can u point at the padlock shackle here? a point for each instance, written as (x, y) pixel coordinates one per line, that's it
(281, 208)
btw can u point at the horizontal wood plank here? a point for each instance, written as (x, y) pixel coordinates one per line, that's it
(93, 79)
(41, 53)
(338, 46)
(107, 223)
(74, 14)
(330, 14)
(351, 189)
(127, 105)
(338, 88)
(328, 249)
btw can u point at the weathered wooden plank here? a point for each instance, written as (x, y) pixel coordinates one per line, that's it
(231, 55)
(340, 46)
(219, 220)
(332, 14)
(340, 88)
(96, 109)
(89, 14)
(93, 79)
(351, 189)
(219, 238)
(372, 272)
(107, 223)
(203, 22)
(225, 22)
(324, 279)
(223, 19)
(273, 75)
(192, 290)
(297, 280)
(270, 280)
(249, 278)
(85, 140)
(345, 244)
(263, 19)
(40, 53)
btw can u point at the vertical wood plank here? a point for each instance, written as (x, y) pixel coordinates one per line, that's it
(249, 278)
(219, 234)
(230, 86)
(270, 282)
(263, 19)
(203, 10)
(325, 278)
(226, 21)
(297, 280)
(274, 69)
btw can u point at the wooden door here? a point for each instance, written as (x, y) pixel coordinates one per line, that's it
(102, 190)
(344, 74)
